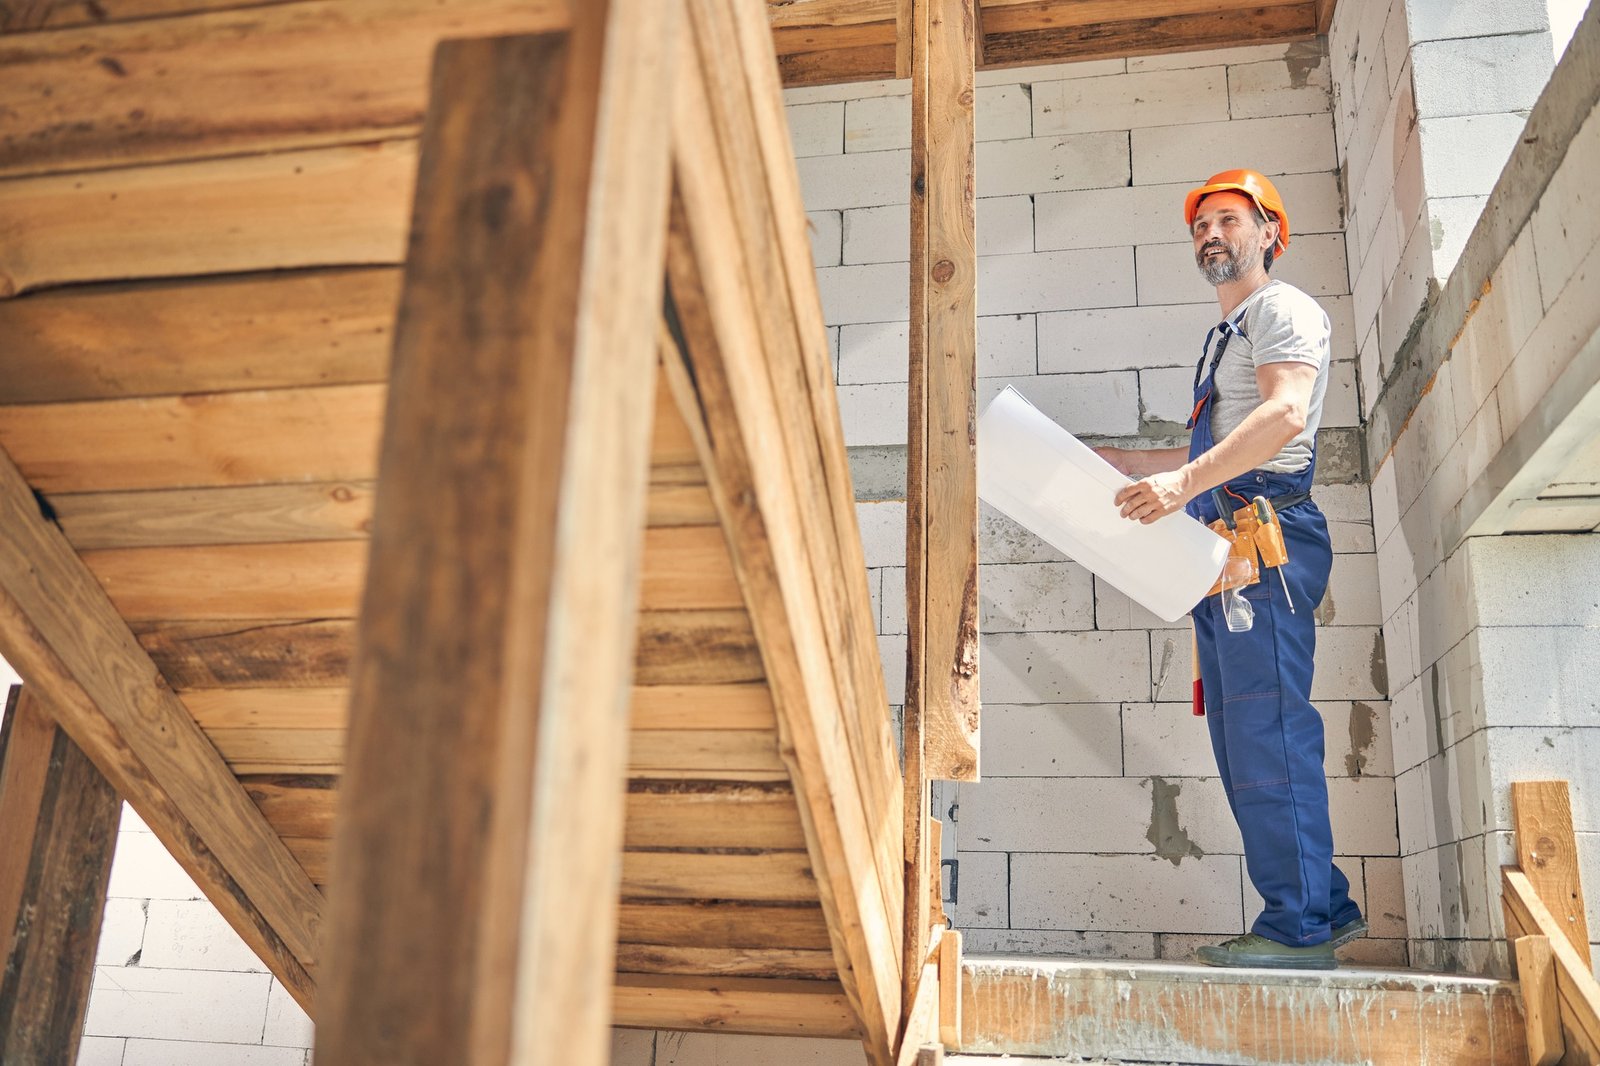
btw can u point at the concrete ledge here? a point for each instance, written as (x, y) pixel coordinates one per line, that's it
(1162, 1013)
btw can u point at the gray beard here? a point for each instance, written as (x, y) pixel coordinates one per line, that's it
(1229, 268)
(1220, 271)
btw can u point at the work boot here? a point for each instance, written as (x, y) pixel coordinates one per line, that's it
(1343, 934)
(1257, 951)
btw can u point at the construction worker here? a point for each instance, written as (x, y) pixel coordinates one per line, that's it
(1258, 395)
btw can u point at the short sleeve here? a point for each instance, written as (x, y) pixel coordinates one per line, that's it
(1288, 327)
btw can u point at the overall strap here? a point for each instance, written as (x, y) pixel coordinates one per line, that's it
(1228, 329)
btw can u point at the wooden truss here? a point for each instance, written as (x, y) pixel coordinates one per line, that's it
(595, 520)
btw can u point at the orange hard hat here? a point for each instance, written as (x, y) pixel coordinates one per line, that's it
(1254, 185)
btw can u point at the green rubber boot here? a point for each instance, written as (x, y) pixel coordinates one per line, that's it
(1343, 934)
(1258, 952)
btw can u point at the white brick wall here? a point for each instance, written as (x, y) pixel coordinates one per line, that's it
(174, 985)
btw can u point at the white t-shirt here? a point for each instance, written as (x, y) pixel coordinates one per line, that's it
(1281, 325)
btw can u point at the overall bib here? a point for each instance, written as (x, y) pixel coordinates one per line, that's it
(1267, 736)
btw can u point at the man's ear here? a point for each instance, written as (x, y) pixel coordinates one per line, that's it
(1274, 227)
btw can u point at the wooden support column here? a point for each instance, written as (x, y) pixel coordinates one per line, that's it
(941, 709)
(58, 828)
(474, 907)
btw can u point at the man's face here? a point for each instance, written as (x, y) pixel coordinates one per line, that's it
(1229, 236)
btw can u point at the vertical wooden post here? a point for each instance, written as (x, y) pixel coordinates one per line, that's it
(1547, 852)
(941, 710)
(1536, 972)
(477, 852)
(58, 829)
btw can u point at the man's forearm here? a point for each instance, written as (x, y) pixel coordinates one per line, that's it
(1143, 462)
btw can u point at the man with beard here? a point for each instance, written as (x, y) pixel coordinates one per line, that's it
(1258, 397)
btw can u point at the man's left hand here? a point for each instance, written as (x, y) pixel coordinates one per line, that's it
(1155, 496)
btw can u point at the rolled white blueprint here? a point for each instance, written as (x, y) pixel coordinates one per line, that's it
(1043, 477)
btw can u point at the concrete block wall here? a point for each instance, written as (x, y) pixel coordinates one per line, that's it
(1490, 639)
(1430, 97)
(174, 985)
(1099, 827)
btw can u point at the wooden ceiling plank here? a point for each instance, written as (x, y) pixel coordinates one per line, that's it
(1141, 37)
(756, 1006)
(722, 924)
(302, 328)
(61, 633)
(255, 79)
(256, 514)
(685, 568)
(791, 963)
(490, 700)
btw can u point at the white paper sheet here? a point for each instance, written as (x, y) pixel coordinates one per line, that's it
(1043, 477)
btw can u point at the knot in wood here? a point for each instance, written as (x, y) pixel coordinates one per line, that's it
(943, 271)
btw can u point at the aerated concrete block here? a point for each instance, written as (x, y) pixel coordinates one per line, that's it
(1035, 597)
(191, 935)
(1480, 75)
(1051, 164)
(1001, 540)
(205, 1005)
(1166, 395)
(1124, 338)
(1065, 667)
(1082, 404)
(883, 532)
(187, 1053)
(1565, 231)
(1129, 101)
(1053, 281)
(1058, 942)
(287, 1024)
(1165, 740)
(816, 129)
(877, 123)
(1052, 740)
(982, 891)
(859, 179)
(1352, 596)
(101, 1051)
(1301, 144)
(121, 933)
(1125, 893)
(1299, 85)
(873, 414)
(826, 231)
(876, 293)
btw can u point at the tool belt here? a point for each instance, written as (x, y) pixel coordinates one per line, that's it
(1255, 537)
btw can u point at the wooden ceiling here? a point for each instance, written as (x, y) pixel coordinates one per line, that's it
(826, 41)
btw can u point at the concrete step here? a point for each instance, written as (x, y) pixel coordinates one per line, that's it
(1073, 1010)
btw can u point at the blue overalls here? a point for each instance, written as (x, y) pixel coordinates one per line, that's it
(1267, 736)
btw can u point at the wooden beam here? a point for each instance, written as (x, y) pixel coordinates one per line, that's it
(940, 730)
(1547, 853)
(1577, 991)
(58, 828)
(1325, 10)
(1541, 1008)
(950, 986)
(484, 794)
(942, 471)
(61, 633)
(920, 1032)
(745, 301)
